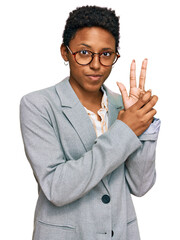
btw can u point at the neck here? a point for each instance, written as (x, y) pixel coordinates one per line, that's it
(88, 97)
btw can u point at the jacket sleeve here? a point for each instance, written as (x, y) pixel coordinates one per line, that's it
(65, 181)
(140, 166)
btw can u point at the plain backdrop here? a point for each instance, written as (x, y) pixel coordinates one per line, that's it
(30, 37)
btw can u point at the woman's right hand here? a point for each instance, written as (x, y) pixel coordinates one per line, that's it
(140, 115)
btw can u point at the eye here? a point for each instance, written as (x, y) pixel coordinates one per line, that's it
(106, 54)
(84, 52)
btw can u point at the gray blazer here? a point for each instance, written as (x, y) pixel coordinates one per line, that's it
(85, 183)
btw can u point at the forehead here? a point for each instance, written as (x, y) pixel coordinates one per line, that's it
(95, 37)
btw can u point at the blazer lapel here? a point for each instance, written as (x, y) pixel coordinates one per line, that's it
(115, 104)
(82, 124)
(76, 114)
(112, 114)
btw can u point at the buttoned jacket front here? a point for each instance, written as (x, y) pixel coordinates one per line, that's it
(85, 183)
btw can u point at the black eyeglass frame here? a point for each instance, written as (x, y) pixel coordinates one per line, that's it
(93, 53)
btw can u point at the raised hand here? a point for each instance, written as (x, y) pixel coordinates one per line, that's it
(135, 92)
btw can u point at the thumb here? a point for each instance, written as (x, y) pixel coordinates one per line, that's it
(120, 114)
(123, 91)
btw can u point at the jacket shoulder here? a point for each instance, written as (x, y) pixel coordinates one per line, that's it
(41, 98)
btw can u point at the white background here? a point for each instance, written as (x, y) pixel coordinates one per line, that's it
(31, 33)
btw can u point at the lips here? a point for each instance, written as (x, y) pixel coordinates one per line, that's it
(94, 77)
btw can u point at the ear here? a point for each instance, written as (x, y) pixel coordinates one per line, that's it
(64, 52)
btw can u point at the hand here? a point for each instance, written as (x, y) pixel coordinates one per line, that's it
(139, 116)
(135, 92)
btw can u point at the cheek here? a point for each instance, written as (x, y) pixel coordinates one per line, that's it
(107, 71)
(74, 68)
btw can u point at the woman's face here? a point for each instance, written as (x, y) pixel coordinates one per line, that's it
(89, 78)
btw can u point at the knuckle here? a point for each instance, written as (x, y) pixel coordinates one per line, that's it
(143, 121)
(121, 112)
(143, 99)
(131, 109)
(139, 114)
(153, 101)
(142, 77)
(132, 77)
(146, 96)
(154, 112)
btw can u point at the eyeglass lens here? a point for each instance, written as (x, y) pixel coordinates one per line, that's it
(84, 57)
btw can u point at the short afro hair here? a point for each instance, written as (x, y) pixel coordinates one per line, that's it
(91, 16)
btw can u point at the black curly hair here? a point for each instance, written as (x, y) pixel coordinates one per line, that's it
(91, 16)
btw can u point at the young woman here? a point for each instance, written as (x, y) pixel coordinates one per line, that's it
(89, 148)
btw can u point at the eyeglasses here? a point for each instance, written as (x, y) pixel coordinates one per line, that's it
(85, 57)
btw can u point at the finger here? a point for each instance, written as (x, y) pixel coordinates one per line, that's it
(142, 77)
(146, 97)
(149, 122)
(143, 92)
(123, 91)
(151, 114)
(147, 107)
(133, 74)
(121, 112)
(149, 91)
(142, 101)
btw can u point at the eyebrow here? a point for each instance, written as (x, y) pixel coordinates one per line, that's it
(86, 45)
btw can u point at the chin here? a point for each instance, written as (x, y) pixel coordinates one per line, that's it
(93, 87)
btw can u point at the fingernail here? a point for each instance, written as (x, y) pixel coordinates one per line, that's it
(134, 61)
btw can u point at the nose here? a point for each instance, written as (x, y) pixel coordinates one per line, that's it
(95, 64)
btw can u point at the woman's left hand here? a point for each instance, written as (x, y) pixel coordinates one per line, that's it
(135, 92)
